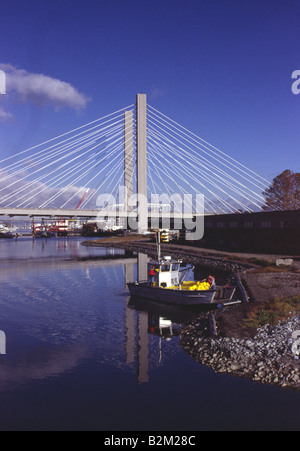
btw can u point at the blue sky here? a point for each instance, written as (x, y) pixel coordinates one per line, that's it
(221, 68)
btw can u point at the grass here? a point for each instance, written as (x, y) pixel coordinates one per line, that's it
(273, 312)
(272, 269)
(260, 261)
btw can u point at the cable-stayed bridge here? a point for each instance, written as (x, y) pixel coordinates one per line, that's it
(135, 162)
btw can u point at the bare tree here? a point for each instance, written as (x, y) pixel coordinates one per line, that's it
(284, 192)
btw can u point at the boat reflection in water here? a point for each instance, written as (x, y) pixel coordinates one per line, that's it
(151, 326)
(161, 322)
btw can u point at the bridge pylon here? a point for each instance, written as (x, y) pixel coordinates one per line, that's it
(128, 160)
(141, 149)
(141, 162)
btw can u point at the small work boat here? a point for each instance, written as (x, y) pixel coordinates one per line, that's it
(7, 233)
(166, 284)
(42, 231)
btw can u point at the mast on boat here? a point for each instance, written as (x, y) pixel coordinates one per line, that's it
(158, 246)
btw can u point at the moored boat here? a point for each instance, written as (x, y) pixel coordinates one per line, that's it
(166, 284)
(42, 231)
(6, 232)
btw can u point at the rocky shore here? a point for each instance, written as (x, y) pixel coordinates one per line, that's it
(189, 254)
(271, 357)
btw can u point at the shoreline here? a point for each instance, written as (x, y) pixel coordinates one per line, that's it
(260, 283)
(192, 254)
(268, 358)
(140, 244)
(261, 354)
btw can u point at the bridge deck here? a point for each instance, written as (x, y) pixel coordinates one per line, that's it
(58, 213)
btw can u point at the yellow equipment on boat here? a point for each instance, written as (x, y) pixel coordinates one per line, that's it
(193, 286)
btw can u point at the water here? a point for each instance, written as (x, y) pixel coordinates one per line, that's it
(80, 356)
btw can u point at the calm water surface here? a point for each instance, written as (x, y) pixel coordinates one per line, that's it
(80, 356)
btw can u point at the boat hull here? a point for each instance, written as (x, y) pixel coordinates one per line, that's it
(44, 235)
(174, 297)
(7, 235)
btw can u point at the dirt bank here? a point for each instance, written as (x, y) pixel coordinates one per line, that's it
(264, 287)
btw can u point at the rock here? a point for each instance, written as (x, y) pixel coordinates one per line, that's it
(284, 261)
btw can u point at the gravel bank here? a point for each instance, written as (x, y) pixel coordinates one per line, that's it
(268, 358)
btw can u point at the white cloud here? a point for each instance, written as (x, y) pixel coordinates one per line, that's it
(17, 190)
(156, 93)
(4, 115)
(40, 89)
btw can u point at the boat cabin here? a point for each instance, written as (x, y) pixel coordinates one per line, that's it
(166, 273)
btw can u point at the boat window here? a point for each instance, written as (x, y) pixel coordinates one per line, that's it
(175, 267)
(165, 268)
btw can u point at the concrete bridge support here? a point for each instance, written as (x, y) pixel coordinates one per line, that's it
(128, 159)
(142, 163)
